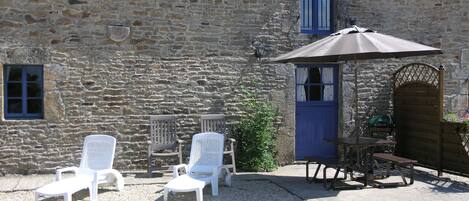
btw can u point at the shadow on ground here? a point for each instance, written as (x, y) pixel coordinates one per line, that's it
(442, 184)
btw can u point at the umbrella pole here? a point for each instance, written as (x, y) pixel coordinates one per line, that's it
(357, 129)
(357, 123)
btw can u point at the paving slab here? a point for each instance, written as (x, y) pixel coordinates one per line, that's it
(8, 183)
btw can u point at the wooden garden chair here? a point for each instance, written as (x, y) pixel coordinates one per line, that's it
(216, 123)
(163, 137)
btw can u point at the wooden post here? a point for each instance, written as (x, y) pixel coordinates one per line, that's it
(394, 129)
(441, 84)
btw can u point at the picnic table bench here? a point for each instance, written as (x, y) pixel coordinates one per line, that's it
(399, 162)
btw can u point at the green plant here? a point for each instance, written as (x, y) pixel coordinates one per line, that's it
(466, 121)
(451, 117)
(256, 135)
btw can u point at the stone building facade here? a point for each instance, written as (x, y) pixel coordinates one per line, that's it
(191, 57)
(181, 57)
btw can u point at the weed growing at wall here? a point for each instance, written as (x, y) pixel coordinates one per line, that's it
(256, 135)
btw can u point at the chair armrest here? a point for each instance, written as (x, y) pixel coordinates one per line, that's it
(58, 173)
(231, 139)
(179, 144)
(216, 171)
(176, 169)
(105, 171)
(119, 180)
(227, 175)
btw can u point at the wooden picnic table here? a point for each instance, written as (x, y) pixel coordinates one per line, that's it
(366, 144)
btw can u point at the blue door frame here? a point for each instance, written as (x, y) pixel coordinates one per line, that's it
(316, 117)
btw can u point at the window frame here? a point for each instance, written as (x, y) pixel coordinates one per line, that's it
(314, 29)
(24, 96)
(335, 83)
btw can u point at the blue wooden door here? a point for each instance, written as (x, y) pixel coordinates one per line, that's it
(316, 110)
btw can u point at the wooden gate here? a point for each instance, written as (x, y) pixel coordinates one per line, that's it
(418, 108)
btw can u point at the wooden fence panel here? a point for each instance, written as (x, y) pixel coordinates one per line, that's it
(417, 112)
(455, 137)
(420, 132)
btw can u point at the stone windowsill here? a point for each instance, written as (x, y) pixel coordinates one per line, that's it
(22, 121)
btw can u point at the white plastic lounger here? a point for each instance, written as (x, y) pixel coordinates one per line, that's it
(95, 168)
(205, 167)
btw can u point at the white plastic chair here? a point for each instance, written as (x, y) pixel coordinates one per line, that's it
(205, 167)
(95, 168)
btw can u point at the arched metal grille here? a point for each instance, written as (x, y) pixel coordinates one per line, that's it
(416, 73)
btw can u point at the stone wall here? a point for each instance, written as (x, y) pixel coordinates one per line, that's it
(441, 24)
(181, 57)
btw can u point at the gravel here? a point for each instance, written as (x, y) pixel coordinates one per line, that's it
(241, 190)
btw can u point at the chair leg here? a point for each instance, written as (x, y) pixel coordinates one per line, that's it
(228, 179)
(227, 176)
(119, 180)
(233, 158)
(199, 194)
(215, 187)
(36, 196)
(94, 191)
(68, 197)
(180, 153)
(149, 170)
(165, 196)
(90, 191)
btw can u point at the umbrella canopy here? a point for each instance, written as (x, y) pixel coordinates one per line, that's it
(353, 44)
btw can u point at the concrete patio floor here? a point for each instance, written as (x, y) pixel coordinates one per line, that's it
(287, 183)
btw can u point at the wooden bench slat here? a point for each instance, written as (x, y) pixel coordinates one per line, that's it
(393, 158)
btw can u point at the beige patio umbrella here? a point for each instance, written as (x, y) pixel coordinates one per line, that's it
(355, 44)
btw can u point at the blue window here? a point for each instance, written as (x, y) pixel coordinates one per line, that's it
(316, 16)
(23, 91)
